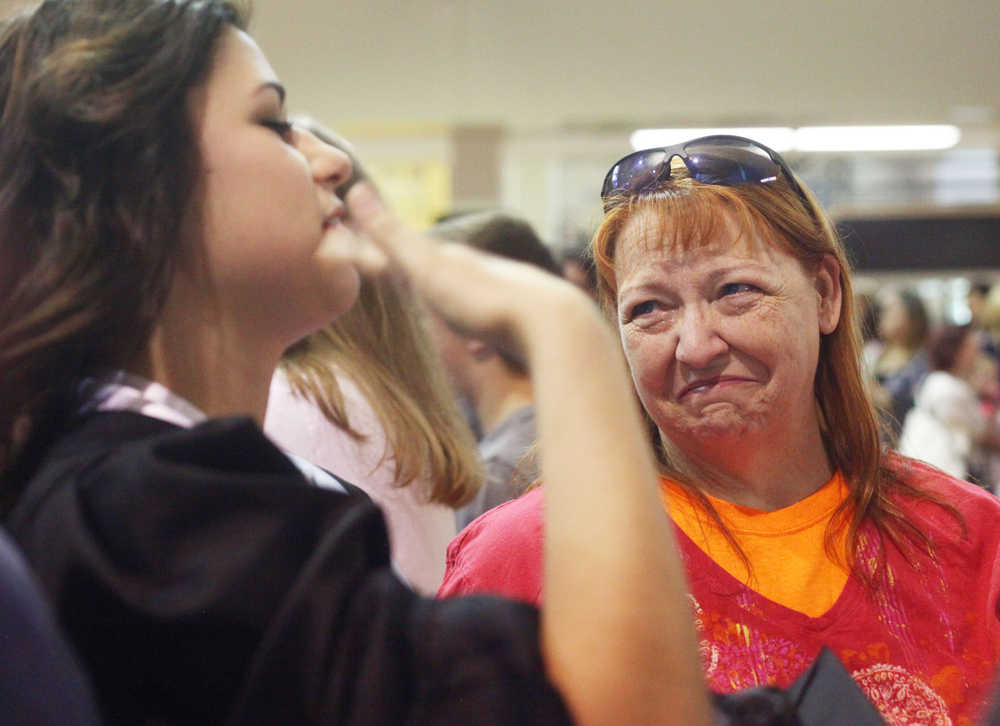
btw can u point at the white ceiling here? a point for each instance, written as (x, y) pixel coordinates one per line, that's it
(548, 64)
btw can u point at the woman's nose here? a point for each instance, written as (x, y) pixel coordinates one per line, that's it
(330, 166)
(699, 344)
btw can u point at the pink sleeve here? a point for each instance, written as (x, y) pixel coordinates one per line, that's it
(500, 553)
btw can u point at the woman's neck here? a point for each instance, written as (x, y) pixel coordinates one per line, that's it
(210, 364)
(759, 475)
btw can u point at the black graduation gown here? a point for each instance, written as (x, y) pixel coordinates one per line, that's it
(203, 580)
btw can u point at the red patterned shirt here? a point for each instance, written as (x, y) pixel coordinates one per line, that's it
(923, 647)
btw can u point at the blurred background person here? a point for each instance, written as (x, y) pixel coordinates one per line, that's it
(495, 383)
(985, 381)
(976, 298)
(902, 361)
(989, 321)
(868, 313)
(577, 266)
(948, 426)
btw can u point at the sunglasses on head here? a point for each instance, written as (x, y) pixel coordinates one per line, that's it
(723, 160)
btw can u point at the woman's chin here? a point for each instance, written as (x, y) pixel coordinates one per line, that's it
(330, 296)
(721, 427)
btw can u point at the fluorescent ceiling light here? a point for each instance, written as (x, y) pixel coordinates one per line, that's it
(817, 138)
(777, 137)
(876, 138)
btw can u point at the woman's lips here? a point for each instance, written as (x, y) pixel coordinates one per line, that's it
(335, 215)
(707, 384)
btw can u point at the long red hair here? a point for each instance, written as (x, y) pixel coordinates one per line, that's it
(690, 214)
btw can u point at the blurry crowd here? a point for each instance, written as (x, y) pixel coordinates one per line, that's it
(937, 383)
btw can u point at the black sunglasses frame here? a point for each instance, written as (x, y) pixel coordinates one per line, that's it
(609, 189)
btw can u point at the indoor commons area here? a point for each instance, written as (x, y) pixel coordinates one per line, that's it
(444, 362)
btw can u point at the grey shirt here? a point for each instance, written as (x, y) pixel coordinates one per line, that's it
(508, 473)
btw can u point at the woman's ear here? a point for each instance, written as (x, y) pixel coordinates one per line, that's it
(830, 293)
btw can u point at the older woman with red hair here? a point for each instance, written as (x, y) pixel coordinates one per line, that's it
(732, 296)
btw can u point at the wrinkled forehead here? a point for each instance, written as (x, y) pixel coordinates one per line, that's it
(679, 231)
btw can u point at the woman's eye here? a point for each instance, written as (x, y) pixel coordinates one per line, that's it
(643, 308)
(281, 128)
(734, 288)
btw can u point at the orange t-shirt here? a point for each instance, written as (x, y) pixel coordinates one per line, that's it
(786, 548)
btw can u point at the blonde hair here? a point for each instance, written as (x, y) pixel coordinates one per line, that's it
(382, 346)
(689, 216)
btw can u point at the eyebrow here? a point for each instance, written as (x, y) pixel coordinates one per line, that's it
(646, 285)
(752, 266)
(274, 86)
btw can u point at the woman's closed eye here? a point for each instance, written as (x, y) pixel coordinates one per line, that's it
(280, 127)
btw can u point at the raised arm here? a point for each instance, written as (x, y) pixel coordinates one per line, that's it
(617, 630)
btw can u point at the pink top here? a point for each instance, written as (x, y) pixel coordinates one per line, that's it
(418, 532)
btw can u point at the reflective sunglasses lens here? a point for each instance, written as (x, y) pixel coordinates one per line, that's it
(635, 172)
(730, 163)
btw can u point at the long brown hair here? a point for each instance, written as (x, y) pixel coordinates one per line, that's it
(382, 346)
(689, 214)
(98, 161)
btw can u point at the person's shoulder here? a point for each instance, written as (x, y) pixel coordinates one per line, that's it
(939, 384)
(507, 527)
(115, 438)
(128, 486)
(119, 458)
(927, 478)
(513, 519)
(500, 552)
(976, 506)
(117, 429)
(223, 445)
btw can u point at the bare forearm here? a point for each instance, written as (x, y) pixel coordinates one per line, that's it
(617, 626)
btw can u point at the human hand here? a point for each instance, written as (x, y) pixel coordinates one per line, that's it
(476, 293)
